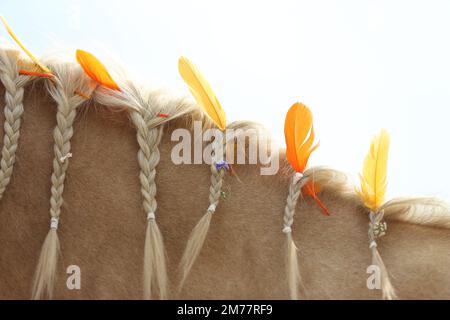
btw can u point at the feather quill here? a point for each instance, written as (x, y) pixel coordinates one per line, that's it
(374, 176)
(202, 92)
(311, 190)
(28, 52)
(96, 70)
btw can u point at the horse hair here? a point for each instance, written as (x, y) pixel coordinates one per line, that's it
(62, 88)
(14, 91)
(143, 107)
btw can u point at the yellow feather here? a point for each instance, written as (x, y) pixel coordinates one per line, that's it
(374, 175)
(202, 92)
(28, 52)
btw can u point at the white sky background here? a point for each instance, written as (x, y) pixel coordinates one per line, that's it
(359, 65)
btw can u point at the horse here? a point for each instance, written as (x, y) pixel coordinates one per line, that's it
(102, 227)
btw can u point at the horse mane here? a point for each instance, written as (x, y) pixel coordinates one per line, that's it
(143, 105)
(427, 211)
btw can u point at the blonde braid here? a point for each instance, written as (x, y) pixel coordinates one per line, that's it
(62, 134)
(291, 202)
(143, 106)
(13, 110)
(377, 229)
(293, 273)
(155, 272)
(216, 185)
(67, 103)
(198, 234)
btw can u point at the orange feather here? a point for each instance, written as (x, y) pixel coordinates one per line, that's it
(96, 70)
(299, 134)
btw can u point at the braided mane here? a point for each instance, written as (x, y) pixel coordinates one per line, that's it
(142, 106)
(13, 83)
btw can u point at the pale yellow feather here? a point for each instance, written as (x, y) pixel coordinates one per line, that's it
(374, 175)
(202, 92)
(28, 52)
